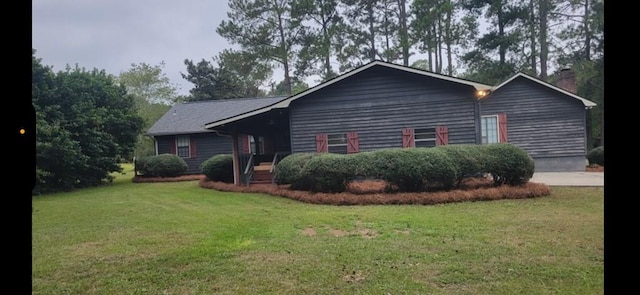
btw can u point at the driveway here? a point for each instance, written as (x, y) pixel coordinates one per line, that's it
(569, 178)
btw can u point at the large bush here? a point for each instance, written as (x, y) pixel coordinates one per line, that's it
(596, 156)
(328, 173)
(507, 163)
(467, 159)
(85, 123)
(218, 168)
(415, 169)
(288, 170)
(164, 165)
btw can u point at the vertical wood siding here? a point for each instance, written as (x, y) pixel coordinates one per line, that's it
(544, 122)
(378, 104)
(207, 145)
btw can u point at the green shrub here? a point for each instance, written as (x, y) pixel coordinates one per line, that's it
(596, 156)
(164, 165)
(507, 164)
(218, 168)
(328, 173)
(415, 169)
(467, 159)
(362, 164)
(288, 170)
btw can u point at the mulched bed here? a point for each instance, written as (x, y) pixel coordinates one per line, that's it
(372, 193)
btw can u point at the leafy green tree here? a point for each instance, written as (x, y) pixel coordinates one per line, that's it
(246, 68)
(149, 83)
(85, 125)
(280, 89)
(153, 94)
(210, 83)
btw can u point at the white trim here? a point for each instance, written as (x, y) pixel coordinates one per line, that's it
(587, 103)
(188, 139)
(497, 128)
(285, 102)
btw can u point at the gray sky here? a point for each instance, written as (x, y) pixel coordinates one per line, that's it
(113, 34)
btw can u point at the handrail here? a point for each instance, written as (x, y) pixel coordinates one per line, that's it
(248, 171)
(273, 163)
(249, 165)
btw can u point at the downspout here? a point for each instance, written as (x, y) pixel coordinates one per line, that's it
(234, 141)
(478, 121)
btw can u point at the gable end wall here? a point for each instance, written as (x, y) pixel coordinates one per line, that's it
(378, 104)
(549, 125)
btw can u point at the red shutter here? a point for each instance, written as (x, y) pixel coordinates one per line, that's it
(192, 146)
(245, 144)
(321, 143)
(172, 145)
(502, 127)
(408, 138)
(352, 143)
(442, 135)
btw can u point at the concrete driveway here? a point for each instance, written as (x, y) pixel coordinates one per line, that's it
(569, 178)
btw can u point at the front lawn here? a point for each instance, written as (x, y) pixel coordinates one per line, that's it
(180, 238)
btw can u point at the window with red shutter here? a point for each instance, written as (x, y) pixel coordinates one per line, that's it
(321, 143)
(183, 149)
(192, 145)
(442, 135)
(424, 137)
(502, 127)
(352, 143)
(408, 139)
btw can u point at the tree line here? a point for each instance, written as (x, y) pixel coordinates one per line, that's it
(481, 40)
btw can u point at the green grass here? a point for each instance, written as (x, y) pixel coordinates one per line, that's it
(178, 238)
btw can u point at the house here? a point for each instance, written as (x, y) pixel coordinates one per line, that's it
(384, 105)
(181, 131)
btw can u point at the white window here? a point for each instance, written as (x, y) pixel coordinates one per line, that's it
(489, 129)
(425, 137)
(253, 148)
(182, 146)
(337, 143)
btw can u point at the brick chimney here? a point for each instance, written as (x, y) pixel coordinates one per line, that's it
(567, 80)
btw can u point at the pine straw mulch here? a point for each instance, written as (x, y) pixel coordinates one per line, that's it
(371, 192)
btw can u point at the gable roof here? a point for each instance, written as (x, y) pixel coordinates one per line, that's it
(587, 103)
(189, 118)
(377, 63)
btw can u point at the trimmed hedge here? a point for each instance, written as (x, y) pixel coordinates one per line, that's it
(218, 168)
(327, 173)
(407, 170)
(507, 163)
(163, 165)
(415, 169)
(596, 156)
(467, 159)
(289, 169)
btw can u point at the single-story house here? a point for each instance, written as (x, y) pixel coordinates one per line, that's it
(384, 105)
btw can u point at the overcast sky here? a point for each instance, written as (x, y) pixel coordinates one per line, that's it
(113, 34)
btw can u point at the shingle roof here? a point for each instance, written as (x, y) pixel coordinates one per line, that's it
(377, 63)
(188, 118)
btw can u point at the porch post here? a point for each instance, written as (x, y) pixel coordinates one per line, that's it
(236, 160)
